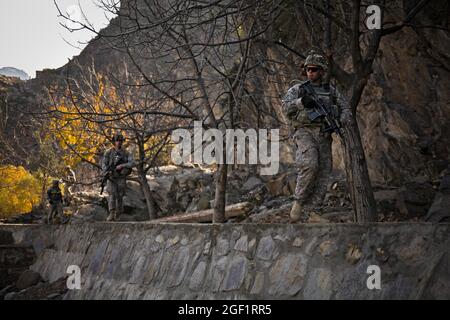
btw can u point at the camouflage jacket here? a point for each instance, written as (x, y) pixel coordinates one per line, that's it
(116, 157)
(54, 195)
(298, 116)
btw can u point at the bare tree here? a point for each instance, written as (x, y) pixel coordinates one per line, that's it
(345, 34)
(193, 54)
(104, 104)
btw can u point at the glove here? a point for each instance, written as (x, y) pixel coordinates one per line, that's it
(295, 106)
(308, 102)
(292, 110)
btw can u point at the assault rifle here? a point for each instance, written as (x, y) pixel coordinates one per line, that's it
(110, 170)
(317, 110)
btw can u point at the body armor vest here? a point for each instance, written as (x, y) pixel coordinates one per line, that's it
(325, 96)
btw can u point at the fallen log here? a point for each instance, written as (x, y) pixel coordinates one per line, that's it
(231, 211)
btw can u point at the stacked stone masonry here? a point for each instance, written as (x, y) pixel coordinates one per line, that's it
(244, 261)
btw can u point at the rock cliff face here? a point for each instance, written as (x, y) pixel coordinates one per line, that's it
(404, 115)
(17, 126)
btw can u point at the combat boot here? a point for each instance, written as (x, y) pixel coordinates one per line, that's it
(111, 216)
(296, 212)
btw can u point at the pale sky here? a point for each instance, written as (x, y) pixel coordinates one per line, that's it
(31, 37)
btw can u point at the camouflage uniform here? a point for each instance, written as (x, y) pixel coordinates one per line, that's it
(69, 185)
(116, 184)
(55, 199)
(313, 156)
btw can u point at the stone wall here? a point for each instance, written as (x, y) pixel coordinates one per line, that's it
(14, 259)
(244, 261)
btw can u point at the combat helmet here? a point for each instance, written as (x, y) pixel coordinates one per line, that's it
(316, 59)
(118, 137)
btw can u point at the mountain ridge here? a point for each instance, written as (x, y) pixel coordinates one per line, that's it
(14, 72)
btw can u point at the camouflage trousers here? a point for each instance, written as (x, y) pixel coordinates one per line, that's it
(314, 164)
(116, 191)
(56, 209)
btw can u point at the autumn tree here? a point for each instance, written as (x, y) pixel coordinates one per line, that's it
(95, 106)
(19, 190)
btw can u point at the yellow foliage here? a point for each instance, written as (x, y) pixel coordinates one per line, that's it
(152, 147)
(241, 31)
(74, 135)
(78, 137)
(78, 129)
(19, 190)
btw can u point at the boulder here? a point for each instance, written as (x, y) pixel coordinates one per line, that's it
(386, 201)
(133, 201)
(256, 196)
(283, 185)
(84, 197)
(275, 186)
(251, 183)
(414, 200)
(178, 189)
(165, 196)
(28, 279)
(10, 296)
(440, 208)
(5, 291)
(203, 201)
(54, 296)
(91, 212)
(6, 237)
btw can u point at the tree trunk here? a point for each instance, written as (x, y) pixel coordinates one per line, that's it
(231, 211)
(219, 199)
(361, 194)
(43, 192)
(151, 208)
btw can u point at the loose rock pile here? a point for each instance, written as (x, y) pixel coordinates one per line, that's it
(190, 189)
(17, 281)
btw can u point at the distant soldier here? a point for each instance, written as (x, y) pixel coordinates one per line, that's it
(116, 165)
(55, 199)
(69, 185)
(313, 155)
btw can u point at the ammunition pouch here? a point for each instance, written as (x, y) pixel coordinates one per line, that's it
(125, 172)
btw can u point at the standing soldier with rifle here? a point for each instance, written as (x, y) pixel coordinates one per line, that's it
(116, 165)
(313, 109)
(55, 199)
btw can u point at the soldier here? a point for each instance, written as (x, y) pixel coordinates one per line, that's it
(117, 164)
(55, 199)
(69, 185)
(313, 154)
